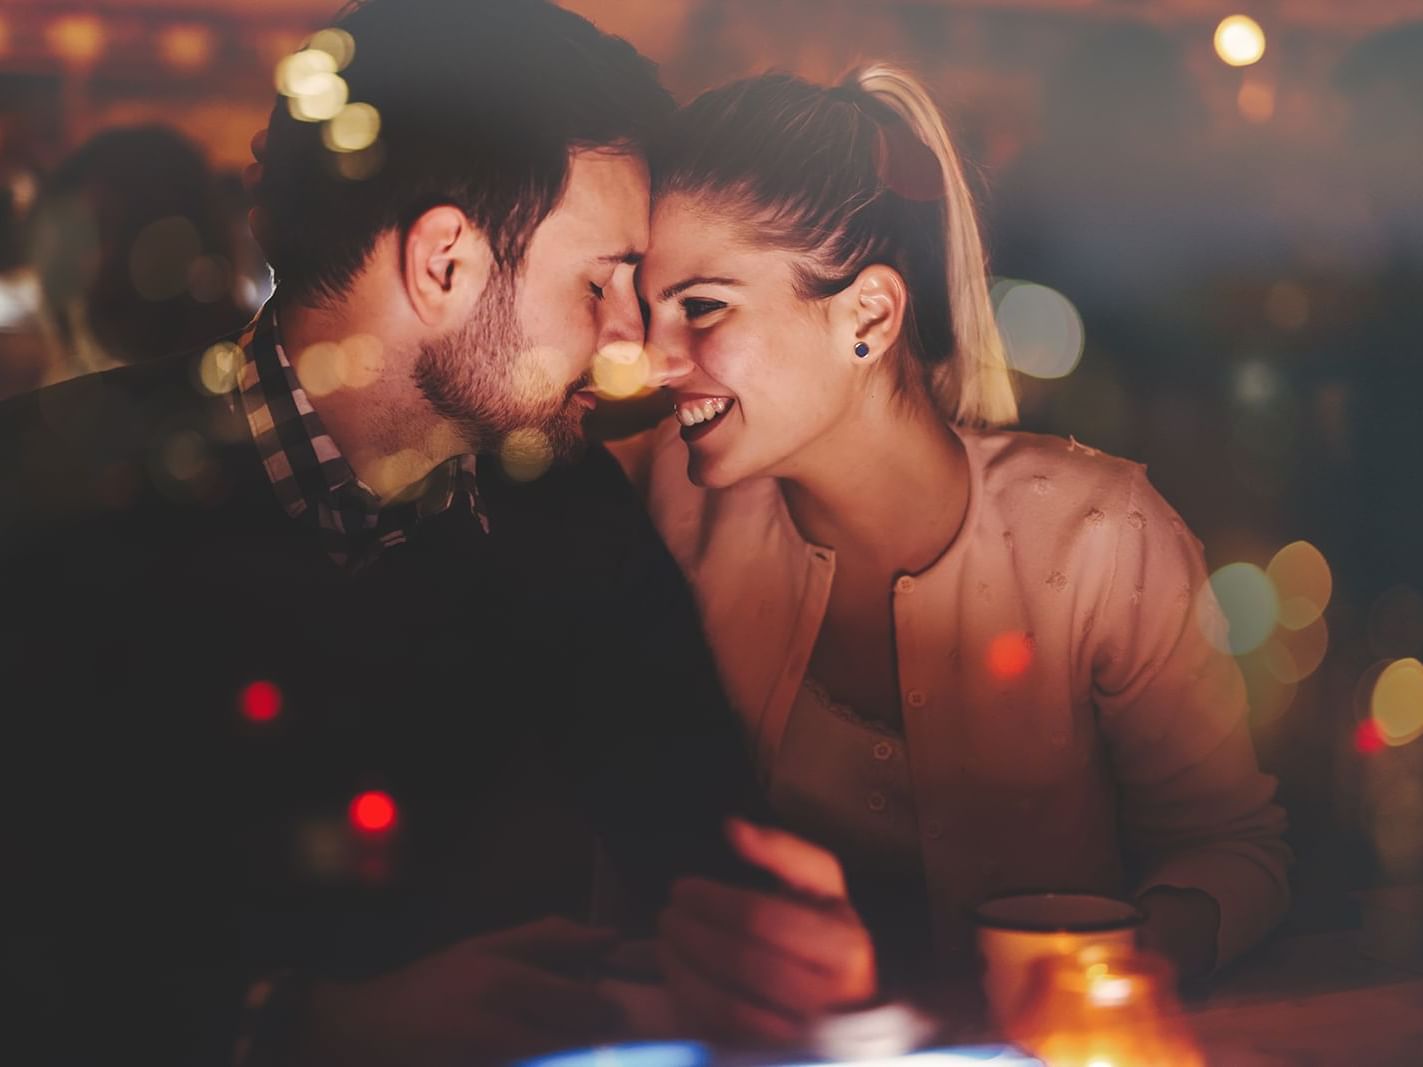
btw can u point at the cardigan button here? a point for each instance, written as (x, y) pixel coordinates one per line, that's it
(875, 801)
(933, 829)
(883, 750)
(916, 698)
(904, 584)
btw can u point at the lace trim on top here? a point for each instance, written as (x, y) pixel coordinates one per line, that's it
(822, 696)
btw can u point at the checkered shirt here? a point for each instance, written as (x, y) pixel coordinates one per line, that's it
(311, 477)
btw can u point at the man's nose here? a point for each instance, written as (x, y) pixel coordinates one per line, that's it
(622, 320)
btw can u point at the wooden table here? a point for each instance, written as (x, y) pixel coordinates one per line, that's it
(1349, 998)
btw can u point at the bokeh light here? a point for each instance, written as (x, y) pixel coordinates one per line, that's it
(1397, 704)
(336, 43)
(260, 701)
(1303, 583)
(1256, 100)
(4, 35)
(358, 166)
(373, 812)
(354, 128)
(1293, 655)
(161, 257)
(621, 370)
(219, 367)
(1009, 655)
(184, 456)
(1367, 739)
(1041, 329)
(186, 48)
(209, 278)
(77, 39)
(353, 363)
(322, 98)
(1239, 41)
(526, 454)
(1247, 598)
(299, 73)
(1269, 694)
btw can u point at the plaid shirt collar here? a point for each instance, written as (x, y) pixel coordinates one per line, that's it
(311, 477)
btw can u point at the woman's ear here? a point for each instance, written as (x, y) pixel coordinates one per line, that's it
(445, 266)
(874, 312)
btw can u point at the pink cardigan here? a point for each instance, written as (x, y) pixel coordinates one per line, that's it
(1124, 737)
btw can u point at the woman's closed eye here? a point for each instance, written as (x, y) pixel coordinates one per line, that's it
(697, 307)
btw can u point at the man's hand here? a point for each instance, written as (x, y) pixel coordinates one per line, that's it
(758, 966)
(485, 1000)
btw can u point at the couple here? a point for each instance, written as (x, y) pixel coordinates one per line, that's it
(962, 661)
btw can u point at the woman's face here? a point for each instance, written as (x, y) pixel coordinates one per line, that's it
(757, 388)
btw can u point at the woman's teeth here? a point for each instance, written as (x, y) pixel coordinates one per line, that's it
(703, 409)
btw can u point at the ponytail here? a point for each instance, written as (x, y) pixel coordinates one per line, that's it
(847, 177)
(975, 386)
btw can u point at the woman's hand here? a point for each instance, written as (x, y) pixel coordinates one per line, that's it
(758, 966)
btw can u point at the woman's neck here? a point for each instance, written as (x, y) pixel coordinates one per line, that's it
(888, 492)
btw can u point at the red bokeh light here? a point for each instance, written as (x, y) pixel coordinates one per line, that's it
(260, 702)
(373, 812)
(1367, 738)
(1009, 655)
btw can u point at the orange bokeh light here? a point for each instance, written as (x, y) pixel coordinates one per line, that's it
(1009, 655)
(373, 812)
(260, 701)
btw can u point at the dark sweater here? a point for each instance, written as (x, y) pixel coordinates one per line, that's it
(514, 693)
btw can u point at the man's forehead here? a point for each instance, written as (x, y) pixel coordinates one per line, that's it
(607, 200)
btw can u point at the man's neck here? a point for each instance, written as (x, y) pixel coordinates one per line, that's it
(351, 367)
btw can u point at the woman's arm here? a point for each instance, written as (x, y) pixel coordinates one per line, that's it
(1197, 814)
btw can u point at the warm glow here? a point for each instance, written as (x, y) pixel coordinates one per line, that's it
(219, 367)
(354, 363)
(186, 48)
(336, 43)
(1247, 597)
(1287, 306)
(260, 701)
(4, 35)
(322, 97)
(1009, 655)
(355, 127)
(298, 74)
(1397, 704)
(373, 812)
(1239, 41)
(77, 39)
(1303, 583)
(358, 166)
(184, 455)
(1042, 331)
(526, 454)
(621, 370)
(1256, 101)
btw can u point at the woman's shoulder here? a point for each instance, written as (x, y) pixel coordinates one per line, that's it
(1046, 465)
(1050, 486)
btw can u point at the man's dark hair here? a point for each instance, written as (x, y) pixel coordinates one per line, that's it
(481, 103)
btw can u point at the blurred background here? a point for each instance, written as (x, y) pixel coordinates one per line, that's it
(1206, 229)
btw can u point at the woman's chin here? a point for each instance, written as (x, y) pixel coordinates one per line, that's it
(706, 472)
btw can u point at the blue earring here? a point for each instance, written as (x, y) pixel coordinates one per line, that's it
(861, 349)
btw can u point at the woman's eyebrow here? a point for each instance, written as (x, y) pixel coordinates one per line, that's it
(687, 283)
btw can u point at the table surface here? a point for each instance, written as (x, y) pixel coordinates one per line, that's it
(1345, 997)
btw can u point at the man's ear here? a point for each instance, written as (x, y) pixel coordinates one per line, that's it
(445, 266)
(872, 313)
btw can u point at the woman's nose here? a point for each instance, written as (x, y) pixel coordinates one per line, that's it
(666, 368)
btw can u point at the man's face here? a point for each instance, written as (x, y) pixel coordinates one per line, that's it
(523, 360)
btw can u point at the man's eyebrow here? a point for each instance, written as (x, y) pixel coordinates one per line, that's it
(630, 256)
(687, 283)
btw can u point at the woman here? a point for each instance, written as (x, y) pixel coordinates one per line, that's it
(968, 660)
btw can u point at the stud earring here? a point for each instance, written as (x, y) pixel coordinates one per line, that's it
(861, 349)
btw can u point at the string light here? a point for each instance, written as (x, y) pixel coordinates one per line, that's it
(373, 812)
(1239, 41)
(260, 701)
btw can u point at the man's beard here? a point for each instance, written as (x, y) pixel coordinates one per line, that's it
(483, 380)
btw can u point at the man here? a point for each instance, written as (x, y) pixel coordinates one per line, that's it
(246, 588)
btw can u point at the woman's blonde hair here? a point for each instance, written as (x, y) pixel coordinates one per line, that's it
(850, 176)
